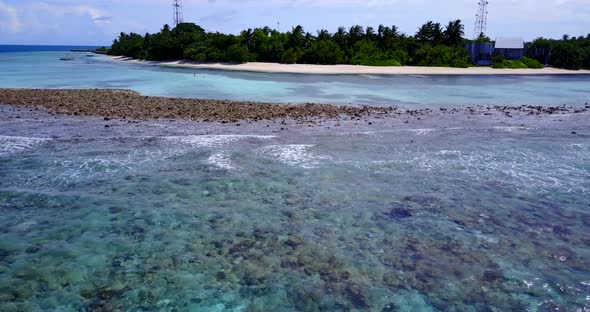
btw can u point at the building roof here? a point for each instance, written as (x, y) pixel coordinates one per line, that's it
(509, 43)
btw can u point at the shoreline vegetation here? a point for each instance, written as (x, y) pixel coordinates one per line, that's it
(433, 45)
(130, 105)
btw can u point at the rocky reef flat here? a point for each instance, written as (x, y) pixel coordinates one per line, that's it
(130, 104)
(126, 104)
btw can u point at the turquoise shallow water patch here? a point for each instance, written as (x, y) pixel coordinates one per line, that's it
(423, 219)
(45, 70)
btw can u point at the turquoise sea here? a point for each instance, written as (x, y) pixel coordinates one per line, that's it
(45, 70)
(450, 213)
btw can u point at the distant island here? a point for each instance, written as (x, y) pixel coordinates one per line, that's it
(102, 50)
(433, 45)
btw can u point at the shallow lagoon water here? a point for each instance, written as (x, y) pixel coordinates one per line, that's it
(175, 216)
(45, 70)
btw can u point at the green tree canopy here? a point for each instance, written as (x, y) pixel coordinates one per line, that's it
(432, 45)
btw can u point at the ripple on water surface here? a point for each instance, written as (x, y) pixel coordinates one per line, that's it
(14, 144)
(455, 221)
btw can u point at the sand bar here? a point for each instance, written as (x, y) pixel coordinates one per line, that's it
(355, 69)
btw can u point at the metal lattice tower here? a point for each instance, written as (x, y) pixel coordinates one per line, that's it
(481, 23)
(178, 18)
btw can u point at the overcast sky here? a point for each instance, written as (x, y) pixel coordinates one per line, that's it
(97, 22)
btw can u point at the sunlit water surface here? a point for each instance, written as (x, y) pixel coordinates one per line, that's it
(45, 70)
(165, 217)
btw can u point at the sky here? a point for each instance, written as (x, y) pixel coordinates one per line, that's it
(98, 22)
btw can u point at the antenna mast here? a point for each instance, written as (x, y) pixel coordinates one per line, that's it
(177, 5)
(481, 22)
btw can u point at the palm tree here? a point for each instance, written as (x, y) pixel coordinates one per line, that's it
(356, 34)
(324, 35)
(380, 31)
(394, 31)
(296, 37)
(454, 32)
(308, 40)
(370, 33)
(437, 33)
(341, 37)
(248, 39)
(430, 33)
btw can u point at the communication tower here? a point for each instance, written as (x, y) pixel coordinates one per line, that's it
(481, 23)
(177, 5)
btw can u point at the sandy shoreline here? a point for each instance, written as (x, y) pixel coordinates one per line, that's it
(354, 69)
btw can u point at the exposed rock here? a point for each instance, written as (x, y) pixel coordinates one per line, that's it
(129, 104)
(126, 104)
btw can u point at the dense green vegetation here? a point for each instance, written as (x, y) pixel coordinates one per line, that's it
(499, 61)
(102, 50)
(570, 53)
(432, 45)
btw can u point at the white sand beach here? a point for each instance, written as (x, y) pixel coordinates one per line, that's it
(356, 69)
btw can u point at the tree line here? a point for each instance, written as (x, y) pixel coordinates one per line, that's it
(433, 45)
(568, 52)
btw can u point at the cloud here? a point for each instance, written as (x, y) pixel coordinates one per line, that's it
(9, 21)
(102, 20)
(97, 16)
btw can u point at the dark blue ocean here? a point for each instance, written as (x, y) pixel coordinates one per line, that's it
(42, 48)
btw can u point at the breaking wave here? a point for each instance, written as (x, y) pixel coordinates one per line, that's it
(14, 144)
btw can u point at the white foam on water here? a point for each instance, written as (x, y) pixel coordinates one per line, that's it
(92, 166)
(421, 131)
(449, 152)
(365, 133)
(213, 140)
(296, 155)
(526, 170)
(371, 77)
(508, 128)
(580, 147)
(14, 144)
(221, 160)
